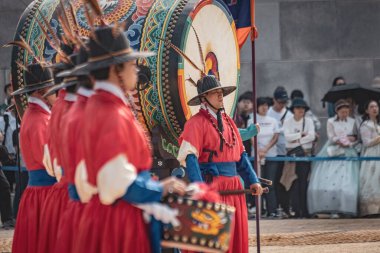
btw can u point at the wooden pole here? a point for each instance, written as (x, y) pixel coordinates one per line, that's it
(256, 164)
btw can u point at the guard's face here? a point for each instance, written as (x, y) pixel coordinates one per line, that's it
(9, 90)
(50, 100)
(128, 76)
(215, 98)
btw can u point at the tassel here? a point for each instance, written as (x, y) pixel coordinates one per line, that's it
(220, 120)
(220, 127)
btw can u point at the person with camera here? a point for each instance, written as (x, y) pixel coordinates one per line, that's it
(7, 150)
(5, 200)
(7, 158)
(299, 134)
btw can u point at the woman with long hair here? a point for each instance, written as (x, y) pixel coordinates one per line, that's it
(369, 194)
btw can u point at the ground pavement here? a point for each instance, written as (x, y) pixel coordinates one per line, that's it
(299, 236)
(317, 236)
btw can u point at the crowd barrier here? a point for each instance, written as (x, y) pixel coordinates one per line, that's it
(12, 168)
(318, 158)
(276, 159)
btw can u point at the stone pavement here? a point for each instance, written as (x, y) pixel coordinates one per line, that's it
(332, 248)
(317, 236)
(299, 236)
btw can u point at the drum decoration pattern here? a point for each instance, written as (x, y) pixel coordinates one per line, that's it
(205, 226)
(187, 24)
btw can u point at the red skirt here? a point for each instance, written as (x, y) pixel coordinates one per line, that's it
(67, 231)
(239, 233)
(27, 231)
(53, 208)
(118, 228)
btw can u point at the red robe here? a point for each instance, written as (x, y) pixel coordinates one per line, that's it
(32, 140)
(202, 136)
(57, 198)
(71, 156)
(112, 135)
(53, 131)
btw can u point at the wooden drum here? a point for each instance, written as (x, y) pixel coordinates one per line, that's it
(204, 30)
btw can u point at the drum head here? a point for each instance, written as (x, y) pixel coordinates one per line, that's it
(203, 30)
(220, 53)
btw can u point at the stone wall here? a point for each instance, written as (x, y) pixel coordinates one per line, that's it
(305, 44)
(10, 12)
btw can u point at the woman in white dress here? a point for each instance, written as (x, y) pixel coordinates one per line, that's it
(334, 185)
(369, 196)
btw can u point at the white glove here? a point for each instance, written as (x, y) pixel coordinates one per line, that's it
(161, 212)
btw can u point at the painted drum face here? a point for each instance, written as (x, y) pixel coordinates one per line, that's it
(203, 30)
(205, 226)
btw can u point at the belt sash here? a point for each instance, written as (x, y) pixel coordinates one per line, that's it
(40, 177)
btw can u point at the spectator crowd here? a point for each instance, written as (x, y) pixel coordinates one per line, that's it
(288, 128)
(340, 187)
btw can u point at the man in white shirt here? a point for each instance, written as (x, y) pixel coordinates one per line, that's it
(280, 112)
(7, 127)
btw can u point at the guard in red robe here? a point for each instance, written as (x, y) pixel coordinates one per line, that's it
(32, 140)
(72, 157)
(58, 197)
(212, 151)
(117, 155)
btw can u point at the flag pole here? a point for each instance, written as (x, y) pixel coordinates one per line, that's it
(254, 35)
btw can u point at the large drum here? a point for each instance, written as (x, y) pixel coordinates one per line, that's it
(204, 30)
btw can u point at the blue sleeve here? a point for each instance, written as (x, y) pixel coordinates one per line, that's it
(245, 170)
(192, 169)
(248, 133)
(143, 190)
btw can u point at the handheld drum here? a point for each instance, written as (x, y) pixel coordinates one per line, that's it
(205, 226)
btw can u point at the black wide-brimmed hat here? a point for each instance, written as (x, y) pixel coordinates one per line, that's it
(109, 46)
(36, 78)
(206, 84)
(68, 80)
(77, 70)
(299, 102)
(59, 66)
